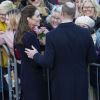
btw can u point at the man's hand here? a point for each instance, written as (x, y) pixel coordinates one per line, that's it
(30, 53)
(44, 30)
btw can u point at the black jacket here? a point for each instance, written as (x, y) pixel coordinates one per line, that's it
(69, 49)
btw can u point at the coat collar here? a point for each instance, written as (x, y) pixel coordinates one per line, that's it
(68, 24)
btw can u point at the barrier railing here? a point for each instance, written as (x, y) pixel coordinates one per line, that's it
(17, 96)
(12, 95)
(1, 74)
(97, 78)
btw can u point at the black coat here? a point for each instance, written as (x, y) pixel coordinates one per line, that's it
(52, 1)
(69, 49)
(32, 84)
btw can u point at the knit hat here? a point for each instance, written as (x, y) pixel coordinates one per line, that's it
(85, 20)
(8, 5)
(2, 9)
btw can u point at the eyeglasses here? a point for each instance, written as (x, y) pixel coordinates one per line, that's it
(3, 14)
(88, 7)
(57, 18)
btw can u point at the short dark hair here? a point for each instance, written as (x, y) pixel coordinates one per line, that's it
(69, 9)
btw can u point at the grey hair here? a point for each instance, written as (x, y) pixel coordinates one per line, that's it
(56, 8)
(69, 9)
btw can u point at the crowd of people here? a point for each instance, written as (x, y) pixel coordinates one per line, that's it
(55, 40)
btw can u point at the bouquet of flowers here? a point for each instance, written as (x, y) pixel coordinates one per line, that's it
(41, 34)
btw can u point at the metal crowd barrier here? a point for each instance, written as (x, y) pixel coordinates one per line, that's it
(17, 95)
(1, 75)
(12, 95)
(97, 66)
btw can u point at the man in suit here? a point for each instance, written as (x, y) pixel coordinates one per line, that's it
(69, 49)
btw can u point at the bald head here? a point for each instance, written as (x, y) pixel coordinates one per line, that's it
(68, 9)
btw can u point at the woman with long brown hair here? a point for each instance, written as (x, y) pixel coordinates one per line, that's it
(32, 83)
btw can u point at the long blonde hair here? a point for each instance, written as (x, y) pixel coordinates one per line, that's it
(96, 7)
(13, 17)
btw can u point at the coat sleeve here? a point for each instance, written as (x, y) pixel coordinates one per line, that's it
(47, 59)
(30, 39)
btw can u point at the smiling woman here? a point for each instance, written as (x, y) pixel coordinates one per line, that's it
(91, 8)
(12, 18)
(3, 25)
(54, 18)
(33, 84)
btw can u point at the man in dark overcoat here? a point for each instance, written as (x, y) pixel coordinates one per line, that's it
(69, 49)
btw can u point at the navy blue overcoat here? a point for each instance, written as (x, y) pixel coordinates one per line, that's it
(69, 49)
(33, 84)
